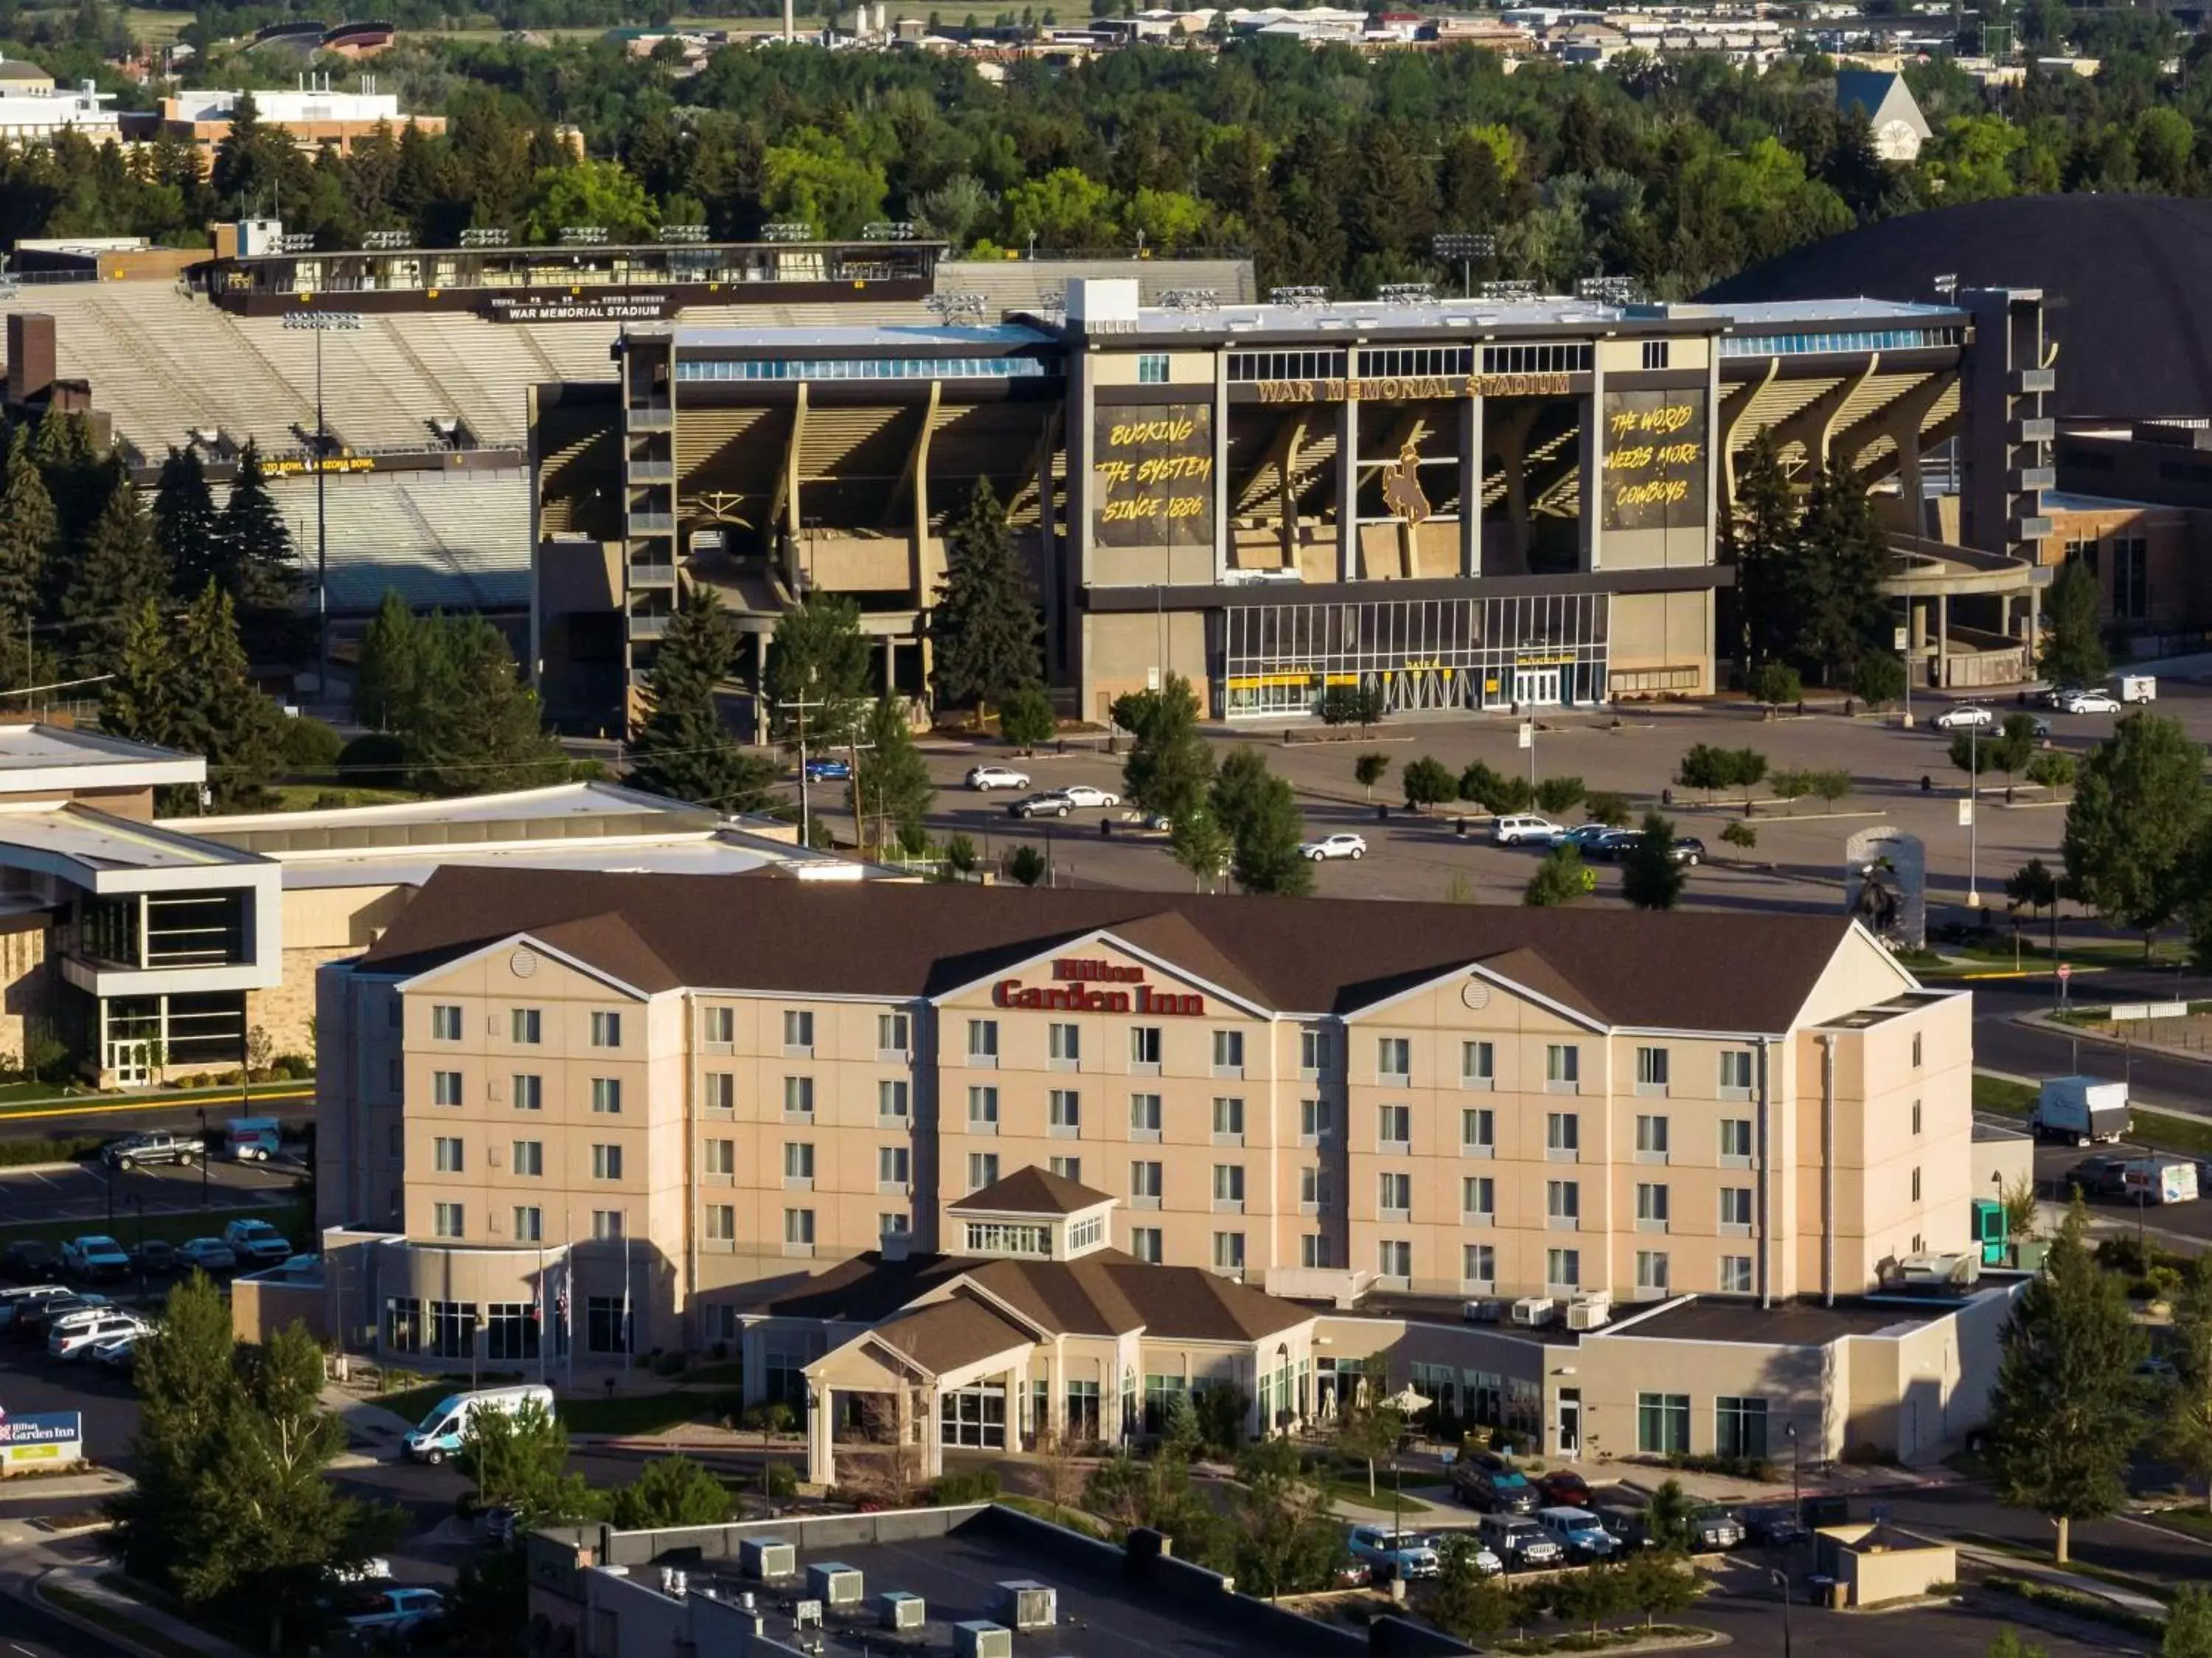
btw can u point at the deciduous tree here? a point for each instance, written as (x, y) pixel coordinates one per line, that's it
(1169, 769)
(1427, 782)
(1561, 878)
(892, 788)
(2138, 810)
(819, 671)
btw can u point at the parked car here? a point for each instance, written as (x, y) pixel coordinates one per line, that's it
(827, 769)
(1342, 845)
(1582, 835)
(1773, 1527)
(1714, 1529)
(2088, 702)
(985, 778)
(1628, 1526)
(1393, 1554)
(393, 1611)
(2104, 1175)
(1494, 1490)
(137, 1150)
(1577, 1530)
(29, 1261)
(1052, 803)
(1563, 1488)
(1088, 796)
(1480, 1554)
(76, 1334)
(94, 1257)
(375, 1569)
(1687, 849)
(1614, 845)
(12, 1301)
(1965, 716)
(255, 1241)
(208, 1254)
(1519, 1542)
(156, 1255)
(117, 1353)
(34, 1318)
(1524, 829)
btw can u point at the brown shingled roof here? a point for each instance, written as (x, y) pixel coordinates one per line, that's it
(1032, 1191)
(1695, 970)
(947, 1334)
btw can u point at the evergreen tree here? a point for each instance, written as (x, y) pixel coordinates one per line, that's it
(186, 526)
(1649, 877)
(67, 459)
(118, 567)
(387, 687)
(1170, 768)
(891, 790)
(221, 712)
(258, 565)
(985, 624)
(1757, 536)
(1834, 598)
(140, 702)
(2187, 1437)
(480, 731)
(2072, 649)
(819, 658)
(684, 749)
(2062, 1416)
(671, 1491)
(1266, 858)
(30, 531)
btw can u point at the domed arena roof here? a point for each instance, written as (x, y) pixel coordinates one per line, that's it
(2126, 281)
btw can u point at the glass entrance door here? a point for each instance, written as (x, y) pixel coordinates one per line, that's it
(1536, 686)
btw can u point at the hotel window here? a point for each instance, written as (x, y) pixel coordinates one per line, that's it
(1393, 1258)
(606, 1162)
(1651, 1270)
(892, 1166)
(403, 1324)
(1916, 1050)
(1736, 1072)
(1313, 1187)
(526, 1026)
(1229, 1183)
(444, 1087)
(1735, 1275)
(891, 1099)
(799, 1096)
(722, 1157)
(1312, 1053)
(982, 1169)
(1064, 1043)
(1651, 1070)
(1316, 1120)
(982, 1041)
(1151, 367)
(1562, 1065)
(527, 1158)
(453, 1329)
(1563, 1202)
(1394, 1194)
(1144, 1184)
(1656, 353)
(1064, 1111)
(1739, 1427)
(1144, 1243)
(1394, 1125)
(1086, 1233)
(1068, 1168)
(983, 1111)
(799, 1228)
(889, 1224)
(1916, 1180)
(1144, 1046)
(891, 1032)
(718, 1090)
(1313, 1249)
(2130, 577)
(529, 1223)
(448, 1220)
(721, 1024)
(799, 1160)
(1915, 1117)
(1478, 1197)
(1478, 1263)
(1651, 1136)
(1651, 1203)
(1394, 1057)
(1563, 1136)
(607, 1324)
(607, 1225)
(1736, 1207)
(606, 1095)
(1563, 1269)
(446, 1155)
(1144, 1115)
(798, 1031)
(1662, 1424)
(1229, 1052)
(529, 1091)
(1735, 1141)
(1478, 1131)
(721, 1224)
(445, 1022)
(1478, 1065)
(606, 1030)
(1228, 1116)
(1229, 1252)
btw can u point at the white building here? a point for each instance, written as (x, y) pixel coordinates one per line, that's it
(33, 108)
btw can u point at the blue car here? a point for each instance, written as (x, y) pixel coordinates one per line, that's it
(828, 771)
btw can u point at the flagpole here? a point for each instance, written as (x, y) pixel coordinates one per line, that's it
(568, 1292)
(544, 1314)
(629, 1339)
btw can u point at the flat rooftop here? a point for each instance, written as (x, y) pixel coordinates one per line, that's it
(1785, 1324)
(93, 842)
(41, 756)
(904, 337)
(559, 802)
(711, 854)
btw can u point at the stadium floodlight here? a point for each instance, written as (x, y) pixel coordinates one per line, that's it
(1191, 299)
(787, 230)
(680, 233)
(1947, 283)
(385, 242)
(1299, 297)
(1406, 293)
(888, 230)
(1515, 290)
(484, 236)
(1611, 290)
(296, 241)
(583, 235)
(1463, 245)
(952, 309)
(319, 323)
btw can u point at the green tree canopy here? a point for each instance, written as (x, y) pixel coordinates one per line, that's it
(2138, 809)
(118, 566)
(30, 531)
(685, 749)
(187, 526)
(2073, 651)
(1169, 769)
(1561, 878)
(891, 784)
(1650, 879)
(985, 622)
(819, 671)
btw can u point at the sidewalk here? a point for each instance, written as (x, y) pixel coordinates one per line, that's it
(77, 1596)
(2012, 1565)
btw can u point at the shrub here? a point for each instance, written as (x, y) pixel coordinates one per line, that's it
(1428, 783)
(1607, 809)
(1557, 794)
(1351, 704)
(16, 1153)
(1774, 683)
(780, 1482)
(307, 744)
(1026, 719)
(1027, 865)
(979, 1486)
(297, 1066)
(375, 759)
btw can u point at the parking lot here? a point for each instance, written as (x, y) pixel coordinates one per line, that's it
(90, 1194)
(2186, 1227)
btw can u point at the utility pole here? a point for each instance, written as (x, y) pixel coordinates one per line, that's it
(805, 816)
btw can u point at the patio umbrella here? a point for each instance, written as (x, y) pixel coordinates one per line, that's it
(1408, 1400)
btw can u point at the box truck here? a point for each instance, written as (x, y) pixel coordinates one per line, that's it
(2080, 1109)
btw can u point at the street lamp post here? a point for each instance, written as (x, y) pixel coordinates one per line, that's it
(1781, 1580)
(319, 323)
(1974, 813)
(204, 1158)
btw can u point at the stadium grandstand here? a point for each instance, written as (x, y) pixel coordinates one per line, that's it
(425, 391)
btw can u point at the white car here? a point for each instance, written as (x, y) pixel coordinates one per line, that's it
(1343, 845)
(984, 778)
(1523, 828)
(1082, 794)
(1967, 716)
(2088, 702)
(71, 1337)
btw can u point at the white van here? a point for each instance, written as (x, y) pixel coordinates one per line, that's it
(1579, 1532)
(442, 1431)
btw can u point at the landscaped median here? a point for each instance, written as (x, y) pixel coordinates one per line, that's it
(34, 1099)
(107, 1605)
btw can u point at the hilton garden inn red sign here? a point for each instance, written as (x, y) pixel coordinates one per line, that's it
(1081, 986)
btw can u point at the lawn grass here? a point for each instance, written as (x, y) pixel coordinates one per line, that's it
(1074, 1519)
(637, 1413)
(311, 796)
(2196, 1521)
(2161, 1131)
(99, 1612)
(2001, 1097)
(22, 1097)
(1346, 1488)
(413, 1403)
(2079, 1603)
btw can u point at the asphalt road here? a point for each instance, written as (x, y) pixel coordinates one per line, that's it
(99, 1198)
(31, 1631)
(125, 1114)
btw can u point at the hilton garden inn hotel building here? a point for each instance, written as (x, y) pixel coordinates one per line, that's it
(1108, 1142)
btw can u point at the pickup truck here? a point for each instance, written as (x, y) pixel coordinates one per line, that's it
(257, 1243)
(391, 1611)
(1393, 1554)
(136, 1150)
(94, 1256)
